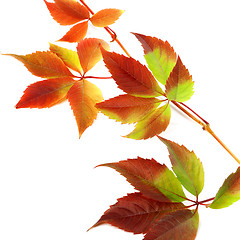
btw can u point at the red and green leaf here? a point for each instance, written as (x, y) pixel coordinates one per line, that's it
(177, 225)
(136, 213)
(153, 124)
(179, 86)
(186, 166)
(89, 52)
(67, 12)
(45, 93)
(159, 56)
(131, 76)
(106, 17)
(83, 97)
(127, 108)
(229, 192)
(152, 179)
(44, 64)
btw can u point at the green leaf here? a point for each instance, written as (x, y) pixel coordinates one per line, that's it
(186, 166)
(229, 193)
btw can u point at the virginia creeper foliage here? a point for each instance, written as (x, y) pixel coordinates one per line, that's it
(160, 208)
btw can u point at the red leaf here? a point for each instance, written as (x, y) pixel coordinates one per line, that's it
(136, 213)
(127, 108)
(177, 225)
(45, 93)
(131, 76)
(89, 52)
(67, 12)
(83, 97)
(76, 33)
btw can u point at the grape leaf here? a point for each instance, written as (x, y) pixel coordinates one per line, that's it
(153, 124)
(82, 97)
(177, 225)
(67, 12)
(76, 33)
(127, 108)
(106, 17)
(186, 166)
(89, 52)
(44, 64)
(45, 93)
(136, 213)
(229, 191)
(179, 86)
(151, 178)
(69, 57)
(131, 76)
(159, 56)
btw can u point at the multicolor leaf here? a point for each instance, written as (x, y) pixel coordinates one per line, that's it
(44, 64)
(159, 56)
(127, 108)
(83, 97)
(45, 93)
(136, 213)
(106, 17)
(131, 76)
(152, 179)
(89, 52)
(76, 33)
(229, 192)
(177, 225)
(179, 86)
(67, 12)
(186, 166)
(153, 124)
(69, 57)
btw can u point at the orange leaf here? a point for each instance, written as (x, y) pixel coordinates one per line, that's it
(83, 97)
(76, 33)
(67, 12)
(45, 93)
(131, 76)
(106, 17)
(89, 52)
(44, 64)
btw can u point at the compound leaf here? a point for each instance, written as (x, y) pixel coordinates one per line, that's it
(131, 76)
(229, 191)
(136, 213)
(177, 225)
(127, 108)
(179, 86)
(106, 17)
(153, 124)
(186, 166)
(89, 52)
(159, 56)
(44, 64)
(152, 179)
(83, 96)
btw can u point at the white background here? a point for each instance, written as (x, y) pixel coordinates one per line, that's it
(49, 188)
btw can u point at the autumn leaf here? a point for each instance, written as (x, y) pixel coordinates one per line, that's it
(186, 166)
(135, 213)
(83, 96)
(159, 56)
(89, 52)
(106, 17)
(229, 192)
(45, 93)
(152, 179)
(179, 86)
(177, 225)
(44, 64)
(131, 76)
